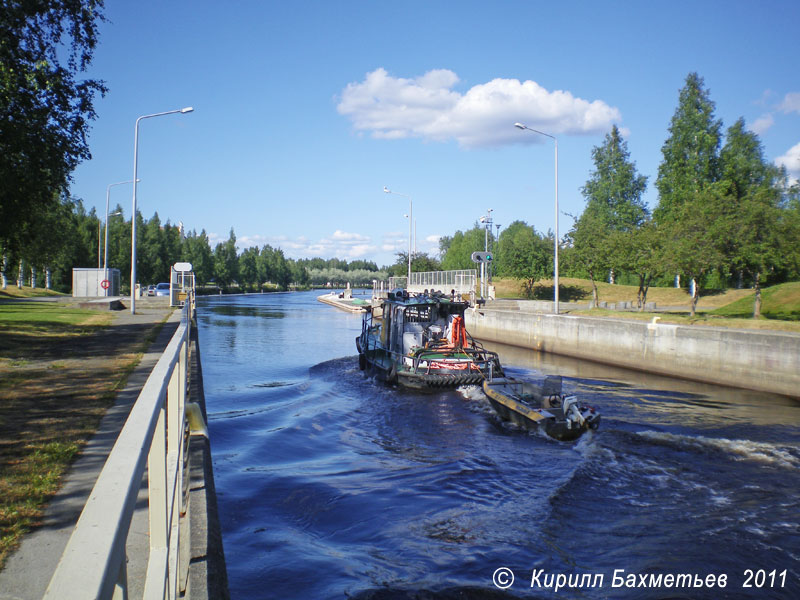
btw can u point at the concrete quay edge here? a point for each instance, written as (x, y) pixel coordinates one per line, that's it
(756, 360)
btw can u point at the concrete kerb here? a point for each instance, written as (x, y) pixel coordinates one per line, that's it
(29, 569)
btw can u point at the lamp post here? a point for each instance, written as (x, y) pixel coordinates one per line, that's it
(486, 220)
(185, 110)
(410, 216)
(105, 245)
(555, 244)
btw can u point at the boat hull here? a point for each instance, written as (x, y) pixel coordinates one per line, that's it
(505, 398)
(384, 368)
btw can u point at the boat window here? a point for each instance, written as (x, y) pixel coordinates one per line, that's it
(453, 308)
(422, 313)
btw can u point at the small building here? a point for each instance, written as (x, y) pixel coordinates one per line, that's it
(95, 283)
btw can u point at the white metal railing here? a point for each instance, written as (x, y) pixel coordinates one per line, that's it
(462, 281)
(93, 565)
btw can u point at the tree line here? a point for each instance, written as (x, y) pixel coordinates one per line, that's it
(71, 237)
(725, 216)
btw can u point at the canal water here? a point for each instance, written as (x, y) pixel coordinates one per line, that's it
(331, 485)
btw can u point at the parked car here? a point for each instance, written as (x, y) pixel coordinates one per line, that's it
(162, 289)
(151, 290)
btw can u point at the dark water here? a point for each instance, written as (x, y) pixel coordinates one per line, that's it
(334, 486)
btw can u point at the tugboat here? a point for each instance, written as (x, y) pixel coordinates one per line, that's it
(419, 341)
(534, 406)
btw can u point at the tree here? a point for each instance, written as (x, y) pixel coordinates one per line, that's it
(614, 189)
(755, 218)
(275, 267)
(197, 251)
(691, 152)
(524, 254)
(366, 265)
(641, 253)
(152, 263)
(226, 262)
(248, 267)
(300, 275)
(45, 109)
(593, 246)
(694, 240)
(119, 246)
(689, 202)
(614, 210)
(460, 248)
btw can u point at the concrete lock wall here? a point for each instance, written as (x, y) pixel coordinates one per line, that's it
(766, 361)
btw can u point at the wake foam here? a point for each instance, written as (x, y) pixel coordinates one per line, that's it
(772, 454)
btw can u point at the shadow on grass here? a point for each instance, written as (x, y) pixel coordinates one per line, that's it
(791, 315)
(566, 293)
(32, 340)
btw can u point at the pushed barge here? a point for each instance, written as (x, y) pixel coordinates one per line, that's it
(419, 341)
(543, 407)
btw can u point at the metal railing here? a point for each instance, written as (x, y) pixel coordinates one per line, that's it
(93, 564)
(462, 281)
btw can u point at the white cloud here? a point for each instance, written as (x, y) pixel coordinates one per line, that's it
(340, 244)
(343, 236)
(248, 241)
(762, 124)
(791, 160)
(427, 107)
(214, 239)
(791, 103)
(765, 99)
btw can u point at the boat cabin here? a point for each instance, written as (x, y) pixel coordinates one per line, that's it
(411, 322)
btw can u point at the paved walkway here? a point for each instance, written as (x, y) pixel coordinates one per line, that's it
(28, 570)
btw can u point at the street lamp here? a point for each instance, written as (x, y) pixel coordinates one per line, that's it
(555, 249)
(188, 109)
(410, 215)
(108, 197)
(485, 269)
(105, 244)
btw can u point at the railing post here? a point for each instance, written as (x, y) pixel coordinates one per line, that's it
(157, 491)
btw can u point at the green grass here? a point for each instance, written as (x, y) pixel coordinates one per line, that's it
(41, 314)
(26, 485)
(20, 321)
(13, 291)
(580, 290)
(780, 302)
(54, 389)
(780, 308)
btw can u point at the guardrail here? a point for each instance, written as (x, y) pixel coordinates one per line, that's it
(93, 564)
(462, 281)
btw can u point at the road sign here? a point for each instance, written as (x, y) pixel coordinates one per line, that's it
(105, 284)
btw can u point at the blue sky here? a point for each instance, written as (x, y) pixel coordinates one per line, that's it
(304, 111)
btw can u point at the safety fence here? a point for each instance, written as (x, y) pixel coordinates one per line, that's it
(462, 281)
(154, 437)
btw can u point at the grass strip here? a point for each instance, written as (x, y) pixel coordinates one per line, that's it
(60, 370)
